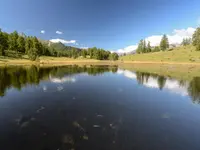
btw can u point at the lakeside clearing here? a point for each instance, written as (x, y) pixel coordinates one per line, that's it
(179, 55)
(183, 55)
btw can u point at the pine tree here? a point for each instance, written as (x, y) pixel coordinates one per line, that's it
(144, 49)
(21, 44)
(196, 39)
(1, 43)
(164, 43)
(149, 47)
(28, 44)
(13, 46)
(140, 47)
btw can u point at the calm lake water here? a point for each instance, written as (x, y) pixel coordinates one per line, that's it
(97, 108)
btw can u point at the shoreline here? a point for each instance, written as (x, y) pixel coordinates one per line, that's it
(100, 62)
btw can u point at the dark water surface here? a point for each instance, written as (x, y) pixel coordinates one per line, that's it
(97, 108)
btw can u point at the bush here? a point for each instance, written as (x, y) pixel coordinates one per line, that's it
(32, 54)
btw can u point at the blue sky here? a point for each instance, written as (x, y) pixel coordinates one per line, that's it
(108, 24)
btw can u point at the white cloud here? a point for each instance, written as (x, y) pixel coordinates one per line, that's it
(42, 31)
(127, 73)
(59, 32)
(84, 47)
(176, 37)
(126, 49)
(62, 80)
(63, 41)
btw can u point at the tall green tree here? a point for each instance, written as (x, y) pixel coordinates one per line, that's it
(148, 47)
(196, 39)
(32, 54)
(12, 40)
(84, 53)
(164, 43)
(186, 41)
(28, 44)
(114, 56)
(21, 44)
(144, 48)
(1, 43)
(140, 47)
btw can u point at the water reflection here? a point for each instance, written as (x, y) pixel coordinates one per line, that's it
(89, 107)
(18, 77)
(152, 80)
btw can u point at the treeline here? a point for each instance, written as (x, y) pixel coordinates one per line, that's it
(147, 48)
(143, 47)
(16, 45)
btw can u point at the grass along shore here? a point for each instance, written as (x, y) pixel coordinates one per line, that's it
(182, 54)
(178, 70)
(185, 55)
(47, 60)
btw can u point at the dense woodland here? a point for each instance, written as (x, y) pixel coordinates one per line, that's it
(16, 45)
(144, 47)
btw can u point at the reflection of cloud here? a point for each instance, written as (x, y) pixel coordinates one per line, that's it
(44, 88)
(60, 88)
(170, 84)
(127, 73)
(62, 80)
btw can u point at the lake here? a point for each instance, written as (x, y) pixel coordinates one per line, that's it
(97, 108)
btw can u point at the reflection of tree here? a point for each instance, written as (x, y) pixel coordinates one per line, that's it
(161, 82)
(114, 69)
(18, 77)
(143, 77)
(194, 89)
(182, 83)
(140, 77)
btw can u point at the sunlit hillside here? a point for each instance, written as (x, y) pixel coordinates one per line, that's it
(179, 54)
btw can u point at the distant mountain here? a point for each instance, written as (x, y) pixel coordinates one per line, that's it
(59, 46)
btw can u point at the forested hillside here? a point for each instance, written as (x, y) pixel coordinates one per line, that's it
(16, 45)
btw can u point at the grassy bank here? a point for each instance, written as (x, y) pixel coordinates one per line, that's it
(184, 72)
(179, 71)
(46, 60)
(182, 54)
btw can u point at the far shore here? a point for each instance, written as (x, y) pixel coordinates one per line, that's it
(86, 61)
(178, 70)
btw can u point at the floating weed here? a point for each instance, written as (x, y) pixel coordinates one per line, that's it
(165, 116)
(96, 126)
(40, 109)
(77, 125)
(85, 137)
(68, 139)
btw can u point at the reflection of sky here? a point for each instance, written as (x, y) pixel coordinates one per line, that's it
(170, 84)
(62, 80)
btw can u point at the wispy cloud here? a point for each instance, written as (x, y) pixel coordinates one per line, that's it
(42, 31)
(63, 41)
(59, 32)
